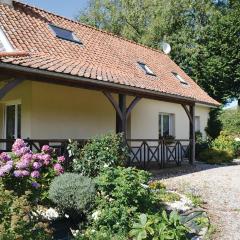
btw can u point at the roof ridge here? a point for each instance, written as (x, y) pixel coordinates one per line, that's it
(92, 27)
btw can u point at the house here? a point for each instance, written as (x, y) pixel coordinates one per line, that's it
(61, 79)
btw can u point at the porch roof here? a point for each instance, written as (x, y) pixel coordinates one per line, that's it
(103, 60)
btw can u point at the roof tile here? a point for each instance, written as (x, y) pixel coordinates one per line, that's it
(102, 56)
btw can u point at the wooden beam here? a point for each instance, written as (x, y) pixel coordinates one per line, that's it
(9, 86)
(114, 103)
(192, 135)
(132, 105)
(187, 112)
(122, 105)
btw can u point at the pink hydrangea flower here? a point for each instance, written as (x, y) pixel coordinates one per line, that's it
(47, 149)
(5, 157)
(46, 159)
(18, 144)
(61, 159)
(35, 174)
(18, 173)
(25, 173)
(37, 165)
(6, 168)
(58, 168)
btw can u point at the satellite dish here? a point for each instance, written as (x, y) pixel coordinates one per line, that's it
(166, 47)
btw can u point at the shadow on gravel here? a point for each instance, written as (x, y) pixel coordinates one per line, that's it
(174, 171)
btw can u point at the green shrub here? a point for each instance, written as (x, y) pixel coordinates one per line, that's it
(17, 220)
(122, 194)
(224, 142)
(214, 156)
(127, 186)
(72, 193)
(214, 125)
(100, 152)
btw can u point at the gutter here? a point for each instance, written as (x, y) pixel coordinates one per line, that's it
(75, 81)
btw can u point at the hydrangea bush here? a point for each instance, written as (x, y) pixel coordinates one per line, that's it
(23, 170)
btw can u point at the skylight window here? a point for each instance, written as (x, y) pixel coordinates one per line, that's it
(182, 80)
(64, 34)
(5, 45)
(147, 70)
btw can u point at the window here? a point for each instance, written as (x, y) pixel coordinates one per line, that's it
(197, 124)
(64, 34)
(166, 125)
(5, 45)
(13, 121)
(179, 78)
(147, 70)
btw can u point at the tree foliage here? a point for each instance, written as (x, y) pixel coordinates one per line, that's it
(231, 121)
(204, 35)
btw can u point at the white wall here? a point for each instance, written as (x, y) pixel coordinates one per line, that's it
(66, 112)
(144, 119)
(53, 111)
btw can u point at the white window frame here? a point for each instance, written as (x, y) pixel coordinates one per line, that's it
(11, 103)
(197, 124)
(4, 40)
(171, 123)
(181, 79)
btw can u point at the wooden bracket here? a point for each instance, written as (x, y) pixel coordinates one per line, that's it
(132, 105)
(9, 86)
(187, 112)
(114, 103)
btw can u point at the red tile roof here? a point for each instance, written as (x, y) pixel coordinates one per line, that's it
(102, 57)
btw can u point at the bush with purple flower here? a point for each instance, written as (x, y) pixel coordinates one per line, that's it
(22, 170)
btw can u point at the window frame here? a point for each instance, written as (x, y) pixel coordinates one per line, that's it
(179, 78)
(197, 124)
(75, 38)
(171, 124)
(16, 104)
(5, 42)
(146, 69)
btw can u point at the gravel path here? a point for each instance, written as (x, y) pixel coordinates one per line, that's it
(219, 187)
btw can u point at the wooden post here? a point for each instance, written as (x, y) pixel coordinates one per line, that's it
(121, 122)
(122, 111)
(192, 135)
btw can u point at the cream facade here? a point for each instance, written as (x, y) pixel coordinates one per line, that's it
(51, 111)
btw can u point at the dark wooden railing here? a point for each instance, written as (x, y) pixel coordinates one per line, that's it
(143, 152)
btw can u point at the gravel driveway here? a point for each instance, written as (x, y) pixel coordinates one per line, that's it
(219, 187)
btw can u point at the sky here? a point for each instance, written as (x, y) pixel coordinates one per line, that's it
(69, 8)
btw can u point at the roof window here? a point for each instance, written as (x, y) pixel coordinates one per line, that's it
(5, 45)
(147, 70)
(182, 80)
(64, 34)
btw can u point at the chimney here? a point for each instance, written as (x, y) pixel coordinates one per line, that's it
(7, 2)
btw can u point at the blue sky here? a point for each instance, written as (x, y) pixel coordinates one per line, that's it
(69, 8)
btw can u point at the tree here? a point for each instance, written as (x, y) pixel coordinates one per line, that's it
(217, 65)
(204, 35)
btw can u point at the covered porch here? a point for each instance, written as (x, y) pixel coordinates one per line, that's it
(144, 152)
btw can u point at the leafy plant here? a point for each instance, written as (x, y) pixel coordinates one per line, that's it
(100, 152)
(142, 228)
(160, 227)
(196, 200)
(17, 218)
(72, 193)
